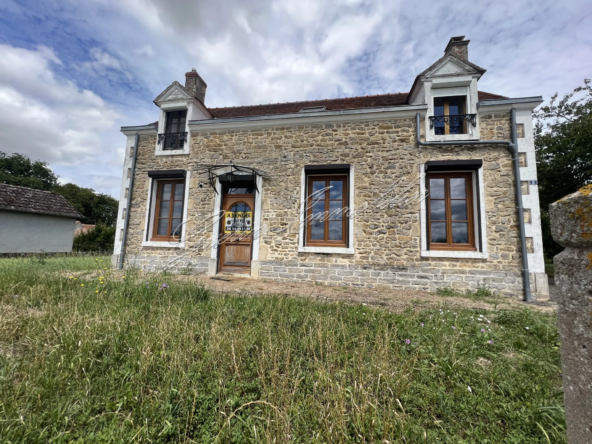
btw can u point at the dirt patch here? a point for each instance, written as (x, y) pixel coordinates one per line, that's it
(393, 300)
(8, 312)
(483, 363)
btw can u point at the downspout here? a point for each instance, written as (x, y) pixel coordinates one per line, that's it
(129, 203)
(512, 146)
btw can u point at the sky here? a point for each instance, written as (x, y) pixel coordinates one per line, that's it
(72, 72)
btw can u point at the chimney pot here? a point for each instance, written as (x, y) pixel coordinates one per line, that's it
(196, 85)
(458, 47)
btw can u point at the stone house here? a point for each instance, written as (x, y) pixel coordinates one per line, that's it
(427, 189)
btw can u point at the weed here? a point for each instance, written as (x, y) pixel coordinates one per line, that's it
(107, 358)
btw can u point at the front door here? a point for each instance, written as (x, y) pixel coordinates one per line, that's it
(236, 231)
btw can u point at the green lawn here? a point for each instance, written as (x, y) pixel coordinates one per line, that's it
(98, 358)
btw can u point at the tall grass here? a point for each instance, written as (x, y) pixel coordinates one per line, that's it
(105, 359)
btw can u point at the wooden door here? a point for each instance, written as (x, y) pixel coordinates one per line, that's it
(236, 233)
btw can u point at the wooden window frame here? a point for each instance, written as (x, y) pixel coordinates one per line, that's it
(159, 186)
(446, 103)
(344, 219)
(471, 228)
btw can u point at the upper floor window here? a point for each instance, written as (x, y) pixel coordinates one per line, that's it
(450, 115)
(174, 136)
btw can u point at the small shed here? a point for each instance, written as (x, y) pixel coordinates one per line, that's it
(34, 221)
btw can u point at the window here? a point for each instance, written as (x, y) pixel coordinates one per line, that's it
(175, 135)
(326, 223)
(168, 210)
(447, 112)
(451, 224)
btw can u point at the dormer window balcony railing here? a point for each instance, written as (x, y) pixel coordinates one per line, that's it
(455, 124)
(173, 141)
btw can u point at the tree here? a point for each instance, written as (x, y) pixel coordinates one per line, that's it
(96, 208)
(563, 143)
(18, 169)
(100, 239)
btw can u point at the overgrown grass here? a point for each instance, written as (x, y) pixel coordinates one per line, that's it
(107, 359)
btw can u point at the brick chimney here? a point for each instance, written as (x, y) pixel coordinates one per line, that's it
(196, 85)
(458, 47)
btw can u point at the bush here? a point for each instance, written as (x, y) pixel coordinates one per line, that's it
(100, 239)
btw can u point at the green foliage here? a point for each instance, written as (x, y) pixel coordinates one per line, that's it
(100, 357)
(563, 137)
(480, 294)
(100, 239)
(95, 207)
(18, 169)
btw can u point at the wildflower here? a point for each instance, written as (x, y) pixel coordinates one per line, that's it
(407, 341)
(16, 295)
(82, 285)
(122, 277)
(527, 328)
(165, 285)
(482, 330)
(490, 342)
(453, 327)
(97, 291)
(422, 324)
(469, 387)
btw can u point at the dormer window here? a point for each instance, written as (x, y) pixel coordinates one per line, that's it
(174, 136)
(450, 115)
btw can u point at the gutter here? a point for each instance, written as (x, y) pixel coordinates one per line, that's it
(512, 146)
(129, 203)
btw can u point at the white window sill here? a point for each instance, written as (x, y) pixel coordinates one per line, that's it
(163, 244)
(330, 250)
(455, 254)
(171, 152)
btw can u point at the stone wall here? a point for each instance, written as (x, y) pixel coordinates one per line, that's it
(387, 244)
(571, 225)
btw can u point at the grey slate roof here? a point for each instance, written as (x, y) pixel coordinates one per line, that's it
(28, 200)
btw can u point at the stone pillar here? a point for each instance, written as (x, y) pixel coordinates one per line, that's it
(571, 225)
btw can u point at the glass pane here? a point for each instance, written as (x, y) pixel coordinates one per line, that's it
(317, 186)
(437, 188)
(166, 192)
(318, 210)
(317, 230)
(335, 230)
(163, 225)
(178, 208)
(457, 188)
(176, 229)
(335, 209)
(459, 209)
(336, 191)
(456, 105)
(437, 210)
(179, 191)
(239, 208)
(438, 232)
(460, 233)
(164, 208)
(438, 106)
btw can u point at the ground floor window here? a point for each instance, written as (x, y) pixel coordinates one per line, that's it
(168, 210)
(450, 213)
(326, 205)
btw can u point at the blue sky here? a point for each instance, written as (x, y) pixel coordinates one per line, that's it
(72, 73)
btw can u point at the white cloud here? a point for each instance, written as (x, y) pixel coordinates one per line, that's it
(101, 60)
(51, 119)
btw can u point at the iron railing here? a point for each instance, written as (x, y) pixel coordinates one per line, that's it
(455, 123)
(172, 141)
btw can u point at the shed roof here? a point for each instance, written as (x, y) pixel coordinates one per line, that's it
(29, 200)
